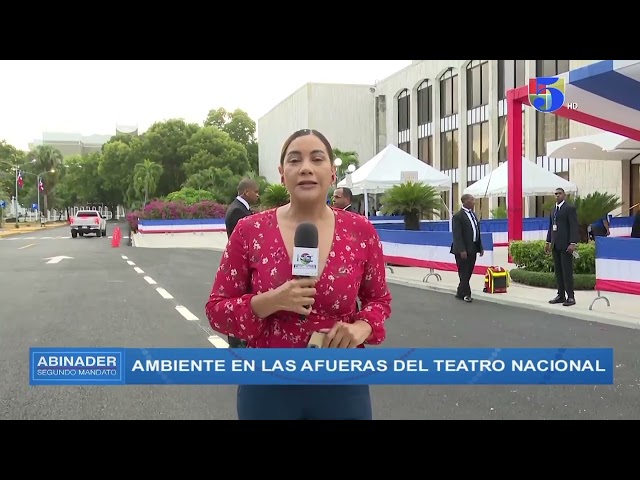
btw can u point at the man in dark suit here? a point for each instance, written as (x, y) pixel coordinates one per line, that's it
(342, 198)
(467, 244)
(248, 194)
(562, 239)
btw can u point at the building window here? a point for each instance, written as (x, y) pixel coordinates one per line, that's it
(448, 93)
(405, 147)
(503, 139)
(548, 129)
(404, 119)
(425, 103)
(482, 205)
(425, 149)
(477, 84)
(446, 208)
(403, 111)
(510, 75)
(449, 150)
(478, 144)
(551, 68)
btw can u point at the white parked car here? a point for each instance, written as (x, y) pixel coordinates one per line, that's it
(88, 221)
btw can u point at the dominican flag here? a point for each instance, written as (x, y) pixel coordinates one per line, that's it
(20, 180)
(41, 186)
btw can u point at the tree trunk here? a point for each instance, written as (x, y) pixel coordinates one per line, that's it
(411, 221)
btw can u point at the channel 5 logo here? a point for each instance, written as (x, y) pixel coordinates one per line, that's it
(546, 94)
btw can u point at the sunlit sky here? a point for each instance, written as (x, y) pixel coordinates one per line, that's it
(92, 97)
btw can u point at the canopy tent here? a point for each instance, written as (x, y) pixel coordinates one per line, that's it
(599, 146)
(385, 170)
(605, 95)
(535, 181)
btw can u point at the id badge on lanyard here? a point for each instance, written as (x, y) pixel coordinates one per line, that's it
(555, 225)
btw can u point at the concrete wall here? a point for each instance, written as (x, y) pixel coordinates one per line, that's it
(344, 113)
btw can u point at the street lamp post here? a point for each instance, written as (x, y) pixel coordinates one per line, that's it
(337, 162)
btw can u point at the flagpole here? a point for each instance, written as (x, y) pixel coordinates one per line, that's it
(17, 226)
(39, 214)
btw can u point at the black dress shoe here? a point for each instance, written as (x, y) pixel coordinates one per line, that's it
(468, 299)
(558, 299)
(569, 302)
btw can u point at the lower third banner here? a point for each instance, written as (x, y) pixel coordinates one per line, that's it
(321, 366)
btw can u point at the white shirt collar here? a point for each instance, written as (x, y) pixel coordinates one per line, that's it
(244, 202)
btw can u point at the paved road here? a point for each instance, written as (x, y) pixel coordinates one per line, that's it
(131, 313)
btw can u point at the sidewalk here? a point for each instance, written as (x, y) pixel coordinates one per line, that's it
(623, 311)
(10, 228)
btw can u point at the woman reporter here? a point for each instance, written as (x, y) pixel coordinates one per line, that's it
(255, 297)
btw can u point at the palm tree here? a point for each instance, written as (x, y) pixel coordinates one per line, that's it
(146, 176)
(348, 158)
(47, 162)
(275, 195)
(589, 209)
(411, 200)
(593, 207)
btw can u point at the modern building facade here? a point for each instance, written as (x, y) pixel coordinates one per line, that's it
(76, 144)
(451, 114)
(344, 113)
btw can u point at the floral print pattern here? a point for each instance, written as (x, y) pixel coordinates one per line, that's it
(256, 261)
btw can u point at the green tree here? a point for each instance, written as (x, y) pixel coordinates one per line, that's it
(48, 163)
(411, 200)
(146, 176)
(240, 127)
(189, 196)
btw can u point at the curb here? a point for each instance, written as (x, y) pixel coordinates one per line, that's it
(17, 231)
(623, 321)
(595, 317)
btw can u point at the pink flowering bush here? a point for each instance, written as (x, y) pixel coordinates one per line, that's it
(165, 210)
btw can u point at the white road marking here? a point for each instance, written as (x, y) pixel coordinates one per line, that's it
(138, 270)
(186, 313)
(26, 246)
(218, 342)
(130, 262)
(124, 257)
(163, 293)
(150, 280)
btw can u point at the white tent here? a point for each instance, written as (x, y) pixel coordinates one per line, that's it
(386, 169)
(535, 181)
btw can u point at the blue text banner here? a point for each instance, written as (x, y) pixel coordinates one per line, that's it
(370, 366)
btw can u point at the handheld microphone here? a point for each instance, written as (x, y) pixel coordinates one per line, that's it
(305, 252)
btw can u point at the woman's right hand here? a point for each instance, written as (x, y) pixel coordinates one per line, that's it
(296, 295)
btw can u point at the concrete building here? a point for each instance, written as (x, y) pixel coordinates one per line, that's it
(451, 114)
(344, 113)
(76, 144)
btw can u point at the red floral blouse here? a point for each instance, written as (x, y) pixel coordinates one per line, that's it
(256, 260)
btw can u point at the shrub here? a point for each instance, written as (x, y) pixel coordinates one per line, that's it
(529, 255)
(581, 281)
(174, 210)
(132, 220)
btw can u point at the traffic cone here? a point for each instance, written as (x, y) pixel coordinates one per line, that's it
(115, 239)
